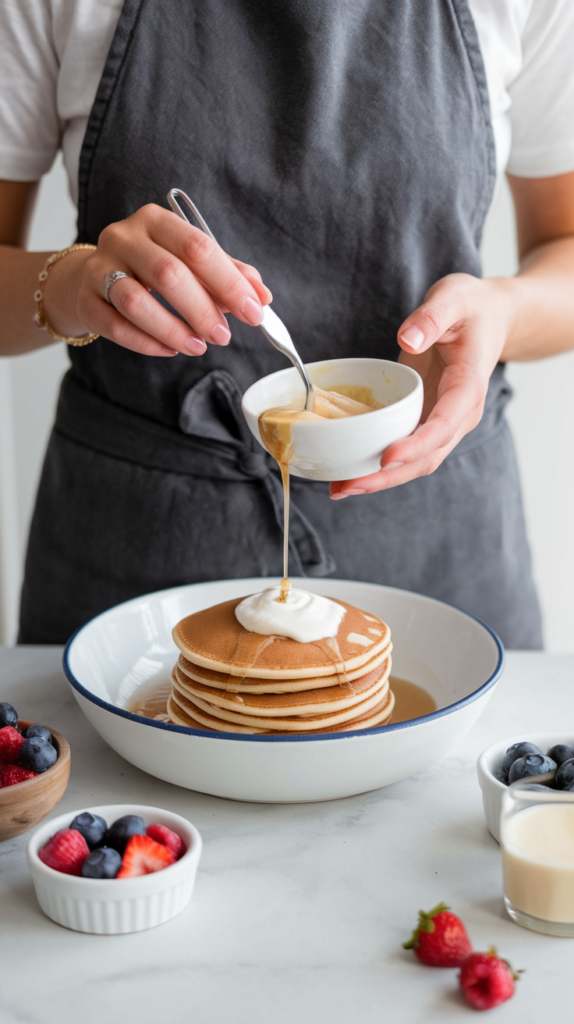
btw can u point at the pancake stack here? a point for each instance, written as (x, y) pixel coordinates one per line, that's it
(228, 679)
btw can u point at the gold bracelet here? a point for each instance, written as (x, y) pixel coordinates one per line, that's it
(40, 318)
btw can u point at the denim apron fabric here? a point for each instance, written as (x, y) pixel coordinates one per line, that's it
(344, 148)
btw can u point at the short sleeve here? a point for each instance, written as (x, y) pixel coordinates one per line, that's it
(30, 130)
(542, 94)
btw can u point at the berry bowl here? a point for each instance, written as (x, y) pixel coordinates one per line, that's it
(489, 771)
(115, 906)
(23, 805)
(129, 650)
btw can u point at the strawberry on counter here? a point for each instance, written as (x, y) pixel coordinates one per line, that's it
(440, 939)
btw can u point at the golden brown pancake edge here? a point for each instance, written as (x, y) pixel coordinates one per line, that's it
(214, 639)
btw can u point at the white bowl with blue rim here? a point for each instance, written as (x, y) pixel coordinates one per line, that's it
(448, 652)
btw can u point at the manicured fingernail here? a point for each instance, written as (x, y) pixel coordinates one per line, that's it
(252, 311)
(346, 494)
(220, 335)
(393, 465)
(196, 346)
(413, 337)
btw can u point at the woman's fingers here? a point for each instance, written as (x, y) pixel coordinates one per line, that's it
(187, 268)
(161, 253)
(207, 261)
(163, 273)
(393, 474)
(456, 412)
(104, 319)
(137, 305)
(440, 317)
(454, 340)
(253, 275)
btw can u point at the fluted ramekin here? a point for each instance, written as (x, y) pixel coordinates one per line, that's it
(118, 905)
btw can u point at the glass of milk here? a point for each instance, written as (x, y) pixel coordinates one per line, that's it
(537, 842)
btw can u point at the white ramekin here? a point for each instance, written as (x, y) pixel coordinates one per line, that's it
(117, 905)
(491, 759)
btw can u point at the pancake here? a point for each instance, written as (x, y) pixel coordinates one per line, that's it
(214, 639)
(285, 723)
(230, 680)
(312, 701)
(379, 715)
(247, 684)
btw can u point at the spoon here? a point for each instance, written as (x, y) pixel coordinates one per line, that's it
(272, 327)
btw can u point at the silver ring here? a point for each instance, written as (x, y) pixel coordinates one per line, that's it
(109, 280)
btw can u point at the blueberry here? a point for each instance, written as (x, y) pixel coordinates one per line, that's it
(8, 715)
(102, 863)
(531, 764)
(564, 777)
(560, 753)
(123, 829)
(537, 786)
(40, 731)
(518, 750)
(37, 755)
(91, 826)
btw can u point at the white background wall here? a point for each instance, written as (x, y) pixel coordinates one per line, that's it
(541, 416)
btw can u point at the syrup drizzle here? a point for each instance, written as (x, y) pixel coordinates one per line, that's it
(275, 432)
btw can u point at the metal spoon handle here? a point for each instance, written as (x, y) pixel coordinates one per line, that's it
(271, 326)
(172, 197)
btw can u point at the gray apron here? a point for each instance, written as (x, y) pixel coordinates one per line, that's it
(344, 148)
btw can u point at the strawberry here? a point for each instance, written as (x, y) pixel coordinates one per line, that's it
(440, 938)
(66, 852)
(10, 742)
(12, 774)
(142, 856)
(164, 835)
(486, 980)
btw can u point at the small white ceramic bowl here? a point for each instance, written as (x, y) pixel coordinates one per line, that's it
(491, 759)
(347, 448)
(117, 905)
(456, 658)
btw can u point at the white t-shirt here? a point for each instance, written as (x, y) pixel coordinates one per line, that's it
(52, 54)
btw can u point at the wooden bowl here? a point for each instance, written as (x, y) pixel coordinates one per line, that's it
(22, 806)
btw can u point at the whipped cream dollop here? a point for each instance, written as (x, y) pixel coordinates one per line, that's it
(302, 616)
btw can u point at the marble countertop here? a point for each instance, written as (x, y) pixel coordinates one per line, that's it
(299, 911)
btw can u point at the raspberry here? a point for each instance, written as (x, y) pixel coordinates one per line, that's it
(10, 743)
(12, 774)
(486, 980)
(168, 838)
(66, 852)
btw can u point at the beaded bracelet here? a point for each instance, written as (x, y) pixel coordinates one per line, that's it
(40, 318)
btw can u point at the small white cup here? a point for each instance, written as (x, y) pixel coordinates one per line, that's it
(489, 764)
(114, 906)
(341, 449)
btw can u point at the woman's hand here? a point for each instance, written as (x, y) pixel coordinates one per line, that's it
(454, 340)
(159, 252)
